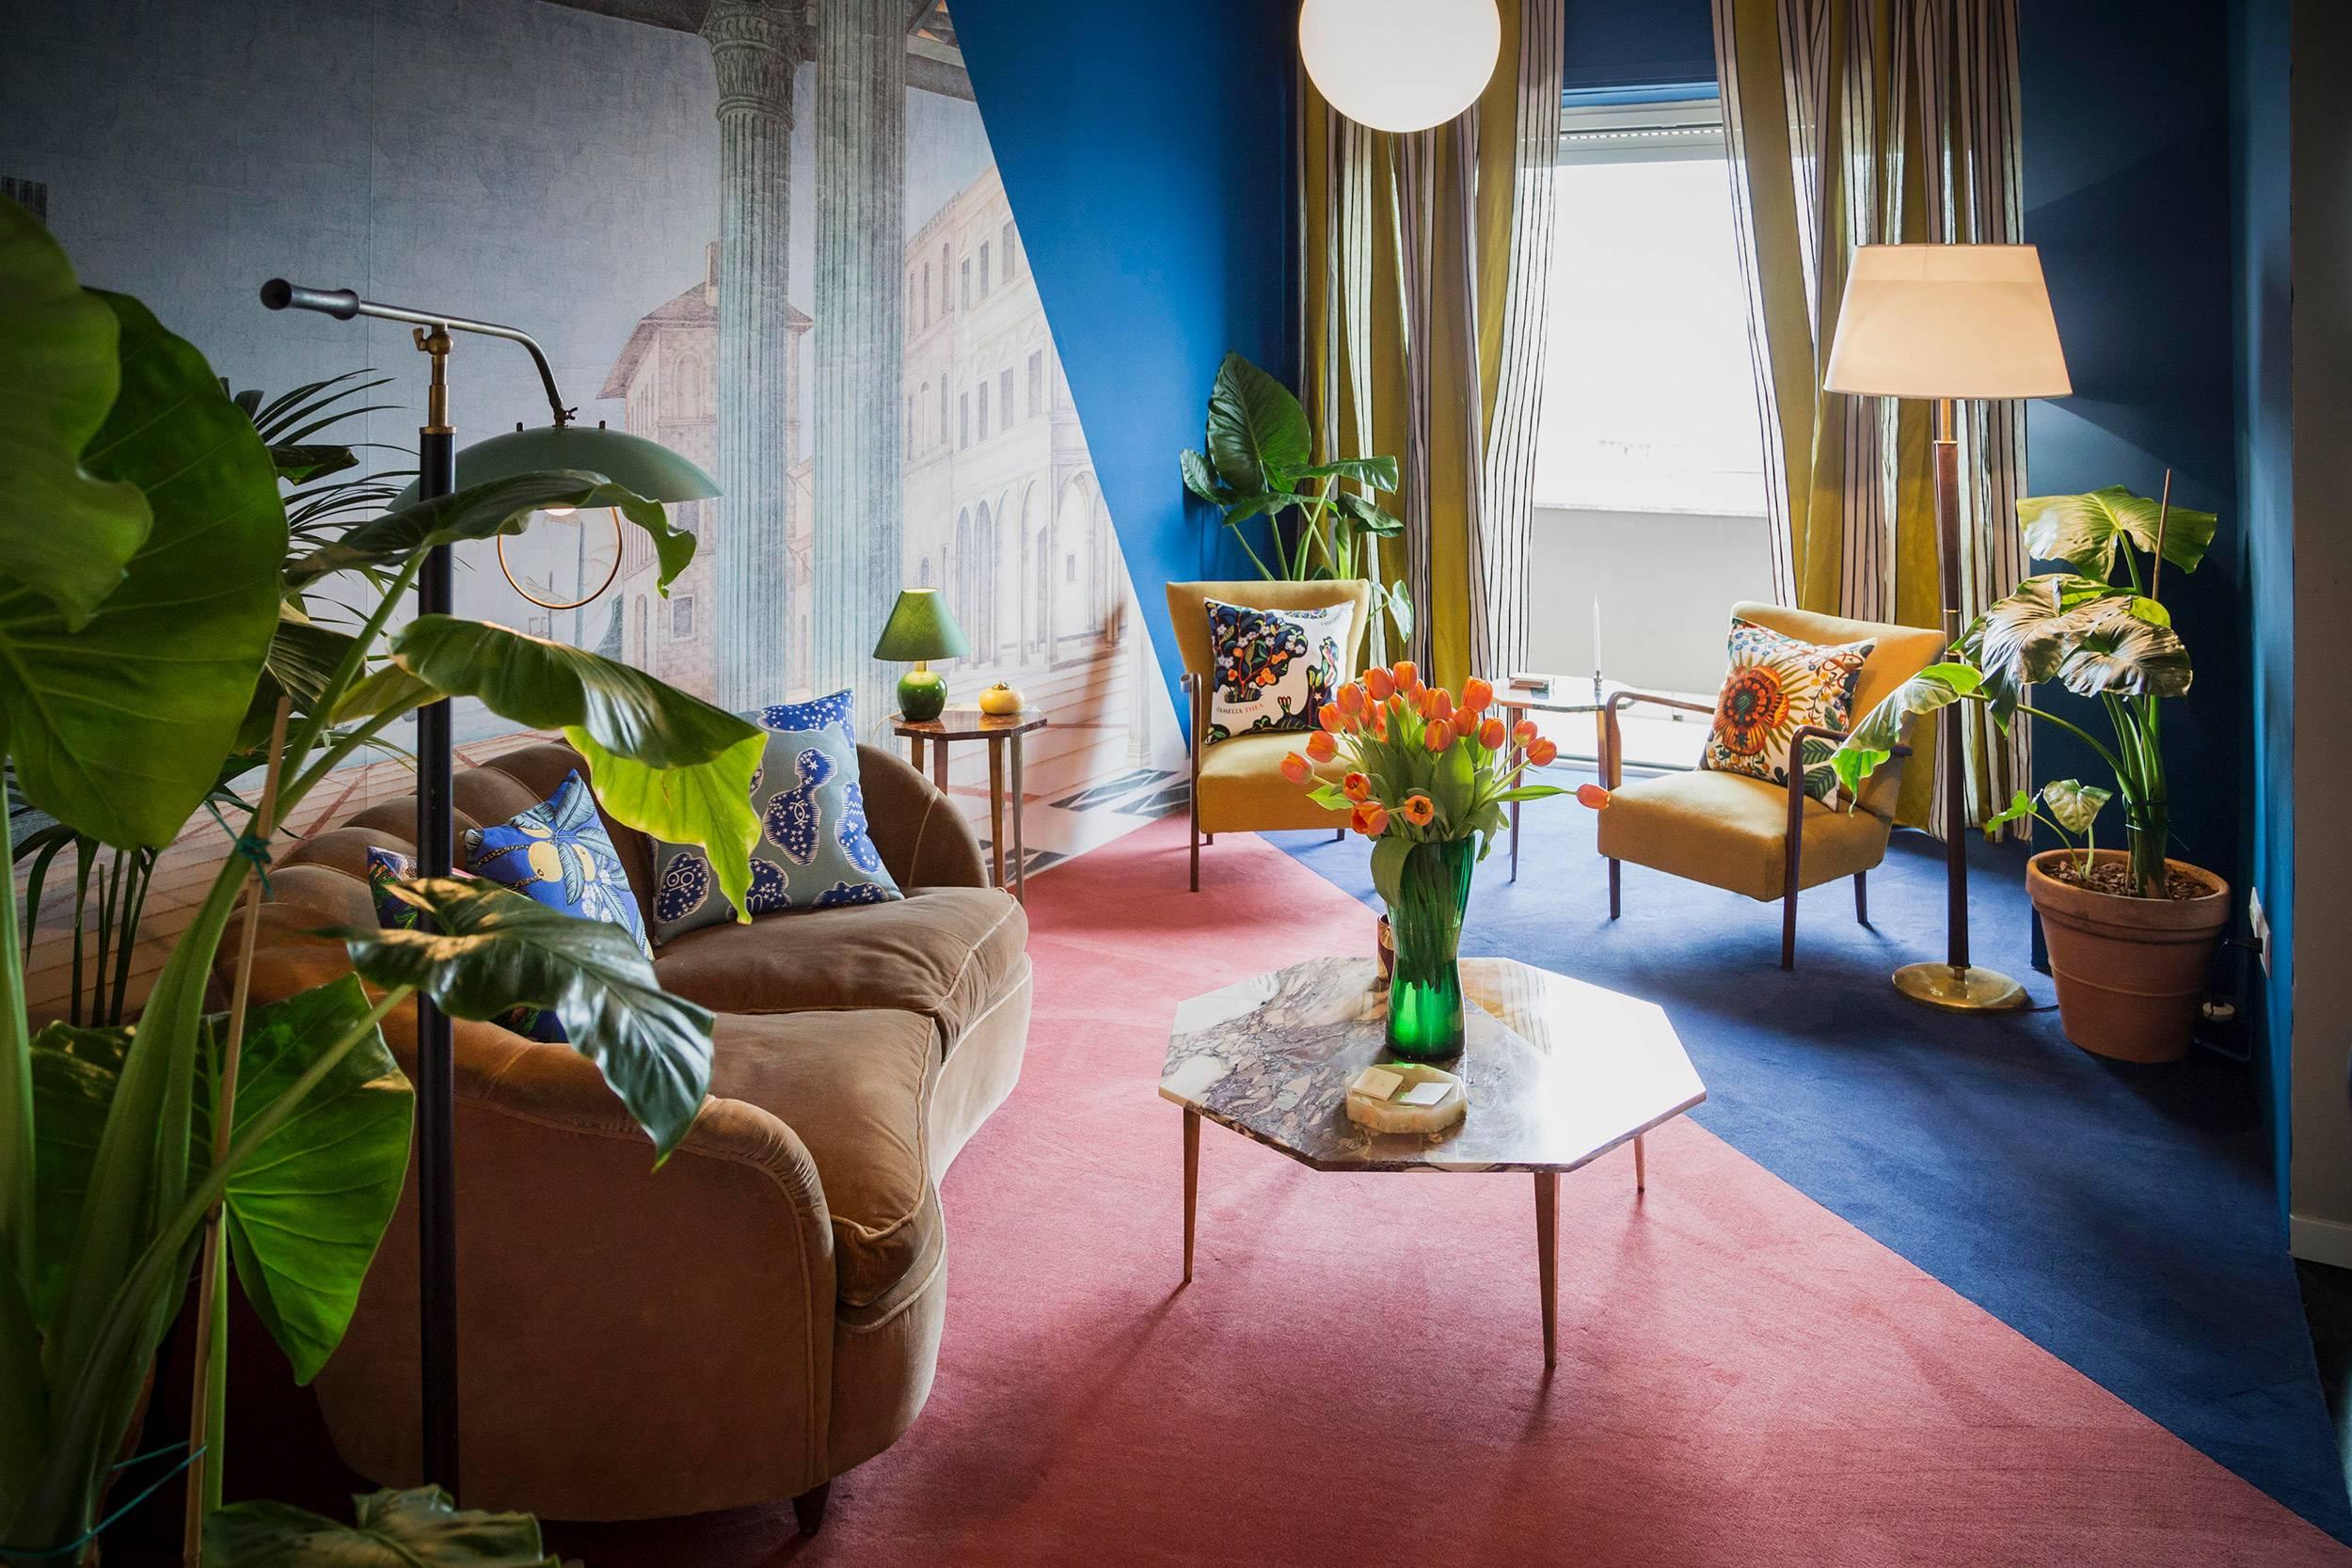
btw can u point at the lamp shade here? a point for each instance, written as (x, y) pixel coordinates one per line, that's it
(1400, 65)
(651, 469)
(1947, 320)
(920, 628)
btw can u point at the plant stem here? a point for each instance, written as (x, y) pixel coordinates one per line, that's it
(1263, 570)
(207, 1405)
(2043, 716)
(16, 1077)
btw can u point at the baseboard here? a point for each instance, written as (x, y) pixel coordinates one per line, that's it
(2321, 1241)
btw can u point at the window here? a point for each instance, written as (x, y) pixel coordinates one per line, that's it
(927, 294)
(983, 272)
(963, 420)
(967, 283)
(1007, 246)
(682, 616)
(1649, 393)
(983, 389)
(943, 411)
(1037, 382)
(944, 303)
(1004, 393)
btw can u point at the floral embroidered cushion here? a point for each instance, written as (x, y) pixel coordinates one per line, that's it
(814, 851)
(387, 866)
(559, 854)
(1273, 670)
(1778, 685)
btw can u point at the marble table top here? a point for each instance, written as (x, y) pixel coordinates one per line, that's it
(1559, 1072)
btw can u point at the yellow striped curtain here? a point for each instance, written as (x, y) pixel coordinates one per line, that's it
(1427, 261)
(1854, 123)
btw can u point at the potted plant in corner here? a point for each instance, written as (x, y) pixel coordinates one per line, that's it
(2132, 931)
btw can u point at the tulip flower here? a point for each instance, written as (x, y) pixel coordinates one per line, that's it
(1351, 699)
(1408, 673)
(1436, 706)
(1380, 723)
(1491, 735)
(1328, 717)
(1320, 747)
(1371, 818)
(1381, 684)
(1477, 692)
(1592, 795)
(1524, 731)
(1540, 751)
(1465, 722)
(1356, 787)
(1418, 809)
(1438, 736)
(1294, 768)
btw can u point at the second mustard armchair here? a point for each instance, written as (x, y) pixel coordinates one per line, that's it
(1743, 835)
(1237, 784)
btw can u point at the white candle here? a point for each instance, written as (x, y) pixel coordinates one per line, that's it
(1598, 665)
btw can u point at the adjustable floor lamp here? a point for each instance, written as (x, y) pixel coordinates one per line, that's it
(1951, 323)
(639, 465)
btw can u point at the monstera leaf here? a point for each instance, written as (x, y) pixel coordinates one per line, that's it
(483, 510)
(304, 1212)
(118, 722)
(2023, 639)
(489, 950)
(2084, 530)
(67, 533)
(1874, 739)
(2116, 650)
(1258, 435)
(662, 762)
(418, 1528)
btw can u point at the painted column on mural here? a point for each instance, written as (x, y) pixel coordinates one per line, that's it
(756, 45)
(860, 437)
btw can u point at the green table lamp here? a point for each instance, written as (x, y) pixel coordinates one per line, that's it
(921, 630)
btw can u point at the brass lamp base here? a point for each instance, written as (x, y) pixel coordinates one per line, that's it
(1969, 990)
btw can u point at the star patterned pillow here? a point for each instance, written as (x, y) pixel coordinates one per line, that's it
(1776, 686)
(814, 849)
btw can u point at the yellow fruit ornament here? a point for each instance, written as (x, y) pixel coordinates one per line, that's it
(1000, 700)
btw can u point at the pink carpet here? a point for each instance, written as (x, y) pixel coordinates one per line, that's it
(1744, 1377)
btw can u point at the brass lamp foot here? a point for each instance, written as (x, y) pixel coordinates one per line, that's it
(1969, 990)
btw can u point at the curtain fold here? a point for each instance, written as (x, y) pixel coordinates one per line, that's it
(1427, 263)
(1854, 123)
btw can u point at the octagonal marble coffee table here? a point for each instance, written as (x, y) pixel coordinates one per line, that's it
(1559, 1073)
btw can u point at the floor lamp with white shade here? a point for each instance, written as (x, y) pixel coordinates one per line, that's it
(1949, 322)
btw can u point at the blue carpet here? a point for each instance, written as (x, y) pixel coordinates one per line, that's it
(2121, 1217)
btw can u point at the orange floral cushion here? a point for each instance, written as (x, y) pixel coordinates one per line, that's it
(1776, 687)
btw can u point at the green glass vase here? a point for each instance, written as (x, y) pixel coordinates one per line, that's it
(1426, 930)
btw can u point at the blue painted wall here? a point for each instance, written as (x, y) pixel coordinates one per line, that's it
(2263, 423)
(1148, 156)
(1611, 43)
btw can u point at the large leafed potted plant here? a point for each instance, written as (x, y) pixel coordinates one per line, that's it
(2132, 931)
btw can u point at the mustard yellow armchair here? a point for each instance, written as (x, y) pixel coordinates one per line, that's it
(1748, 836)
(1237, 784)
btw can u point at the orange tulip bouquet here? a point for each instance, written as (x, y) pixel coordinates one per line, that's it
(1425, 777)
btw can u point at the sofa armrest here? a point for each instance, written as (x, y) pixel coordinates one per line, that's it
(924, 841)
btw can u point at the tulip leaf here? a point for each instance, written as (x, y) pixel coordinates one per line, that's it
(484, 950)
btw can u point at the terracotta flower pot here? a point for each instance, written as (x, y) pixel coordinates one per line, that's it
(2130, 971)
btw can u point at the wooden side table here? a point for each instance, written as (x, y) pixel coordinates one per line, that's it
(1003, 733)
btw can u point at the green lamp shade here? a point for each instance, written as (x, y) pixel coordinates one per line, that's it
(921, 628)
(654, 471)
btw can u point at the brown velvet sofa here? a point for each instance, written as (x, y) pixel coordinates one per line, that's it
(764, 1312)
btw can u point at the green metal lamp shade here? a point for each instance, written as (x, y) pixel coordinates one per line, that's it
(921, 628)
(654, 471)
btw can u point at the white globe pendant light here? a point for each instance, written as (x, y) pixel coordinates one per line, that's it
(1400, 65)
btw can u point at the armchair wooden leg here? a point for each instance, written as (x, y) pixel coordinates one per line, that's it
(1614, 867)
(808, 1508)
(1338, 833)
(1861, 899)
(1788, 929)
(1196, 859)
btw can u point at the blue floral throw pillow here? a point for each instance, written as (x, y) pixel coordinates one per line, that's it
(1274, 668)
(387, 866)
(558, 853)
(814, 851)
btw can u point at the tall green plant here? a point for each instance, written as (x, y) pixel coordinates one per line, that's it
(2100, 632)
(1259, 462)
(144, 578)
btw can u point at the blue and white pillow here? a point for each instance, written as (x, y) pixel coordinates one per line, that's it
(394, 914)
(559, 854)
(814, 849)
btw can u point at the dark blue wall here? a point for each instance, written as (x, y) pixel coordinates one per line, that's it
(1613, 44)
(1148, 154)
(2263, 425)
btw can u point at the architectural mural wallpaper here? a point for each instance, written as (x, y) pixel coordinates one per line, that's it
(768, 237)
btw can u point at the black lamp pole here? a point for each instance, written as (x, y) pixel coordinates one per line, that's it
(436, 1184)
